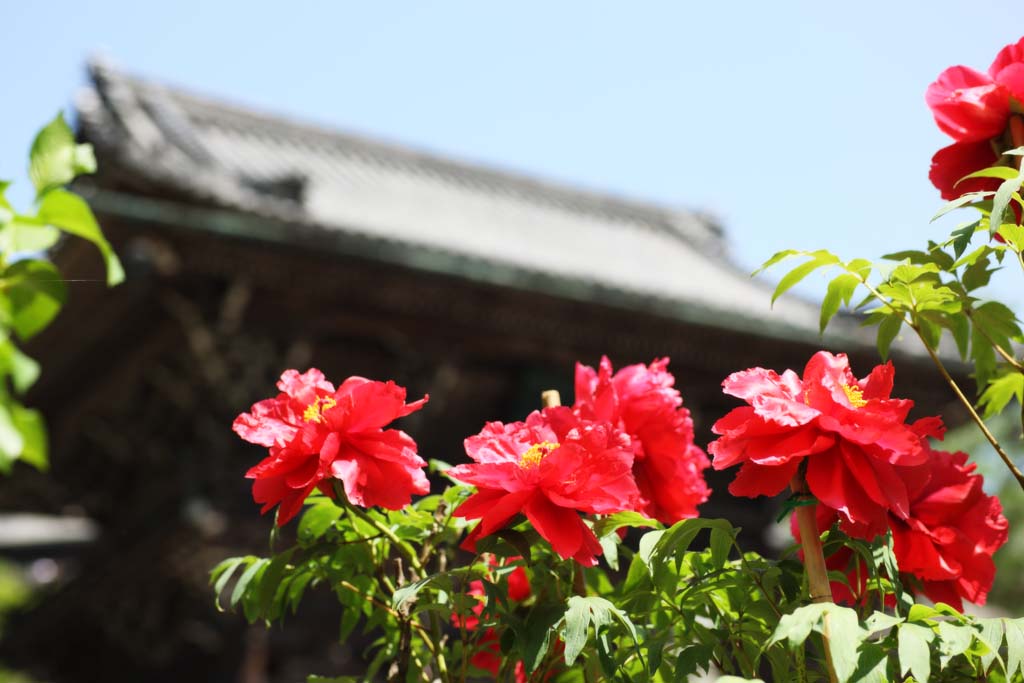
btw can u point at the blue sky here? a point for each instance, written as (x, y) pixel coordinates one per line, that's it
(799, 125)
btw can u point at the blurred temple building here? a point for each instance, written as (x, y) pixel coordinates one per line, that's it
(255, 243)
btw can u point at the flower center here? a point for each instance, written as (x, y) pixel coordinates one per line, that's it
(536, 453)
(315, 410)
(855, 396)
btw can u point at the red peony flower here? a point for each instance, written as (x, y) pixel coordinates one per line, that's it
(961, 159)
(982, 112)
(316, 433)
(1008, 70)
(550, 467)
(953, 529)
(852, 435)
(944, 547)
(968, 105)
(641, 401)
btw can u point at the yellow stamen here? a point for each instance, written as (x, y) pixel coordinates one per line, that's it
(855, 396)
(536, 453)
(315, 410)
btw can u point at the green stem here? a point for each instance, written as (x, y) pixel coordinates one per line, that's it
(407, 550)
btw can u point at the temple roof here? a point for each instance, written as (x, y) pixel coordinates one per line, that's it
(305, 184)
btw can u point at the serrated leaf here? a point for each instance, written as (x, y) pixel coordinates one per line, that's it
(999, 392)
(69, 212)
(960, 238)
(55, 159)
(977, 274)
(914, 653)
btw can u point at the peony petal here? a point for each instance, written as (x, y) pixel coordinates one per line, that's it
(968, 105)
(754, 480)
(951, 164)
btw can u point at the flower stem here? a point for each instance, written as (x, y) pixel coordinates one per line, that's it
(814, 562)
(1007, 460)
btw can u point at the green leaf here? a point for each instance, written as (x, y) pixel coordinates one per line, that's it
(576, 622)
(818, 259)
(406, 595)
(317, 519)
(36, 293)
(538, 633)
(845, 636)
(32, 427)
(977, 274)
(931, 332)
(70, 213)
(246, 578)
(1001, 172)
(776, 257)
(961, 237)
(796, 627)
(963, 200)
(648, 542)
(960, 326)
(23, 370)
(580, 614)
(23, 235)
(271, 580)
(616, 521)
(887, 331)
(992, 636)
(914, 653)
(1008, 190)
(11, 441)
(222, 573)
(954, 639)
(690, 658)
(332, 679)
(55, 159)
(999, 392)
(1014, 645)
(721, 545)
(840, 291)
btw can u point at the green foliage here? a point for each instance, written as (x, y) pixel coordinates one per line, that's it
(32, 291)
